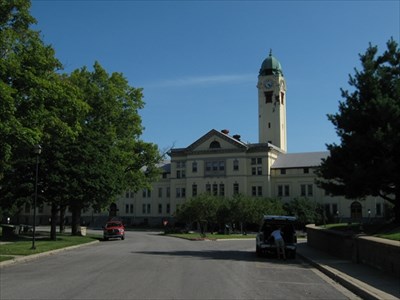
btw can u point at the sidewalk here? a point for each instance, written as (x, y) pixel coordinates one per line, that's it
(365, 281)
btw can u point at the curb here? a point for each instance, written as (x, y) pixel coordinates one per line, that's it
(26, 258)
(358, 287)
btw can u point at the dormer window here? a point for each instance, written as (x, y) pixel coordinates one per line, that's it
(215, 145)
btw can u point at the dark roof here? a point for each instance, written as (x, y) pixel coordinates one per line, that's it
(299, 160)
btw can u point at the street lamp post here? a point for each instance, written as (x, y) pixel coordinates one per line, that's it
(38, 150)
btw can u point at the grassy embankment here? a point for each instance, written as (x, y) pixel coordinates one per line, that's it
(388, 231)
(22, 245)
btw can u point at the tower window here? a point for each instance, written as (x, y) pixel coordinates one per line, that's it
(268, 97)
(282, 98)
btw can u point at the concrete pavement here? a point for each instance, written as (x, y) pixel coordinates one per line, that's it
(364, 281)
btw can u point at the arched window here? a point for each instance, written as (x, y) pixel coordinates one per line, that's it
(215, 144)
(356, 210)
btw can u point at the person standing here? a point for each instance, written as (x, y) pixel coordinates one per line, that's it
(279, 242)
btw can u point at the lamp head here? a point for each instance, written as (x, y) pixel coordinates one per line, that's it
(38, 149)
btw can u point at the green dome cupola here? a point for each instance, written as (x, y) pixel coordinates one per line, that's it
(270, 66)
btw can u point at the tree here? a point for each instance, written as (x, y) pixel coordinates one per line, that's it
(197, 209)
(367, 162)
(108, 156)
(304, 209)
(37, 104)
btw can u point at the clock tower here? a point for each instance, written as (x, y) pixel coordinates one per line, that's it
(272, 104)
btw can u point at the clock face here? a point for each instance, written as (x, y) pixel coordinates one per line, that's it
(268, 84)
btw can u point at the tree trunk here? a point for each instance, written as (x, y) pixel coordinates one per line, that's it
(62, 218)
(76, 220)
(53, 222)
(396, 207)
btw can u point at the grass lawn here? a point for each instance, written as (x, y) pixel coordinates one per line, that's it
(22, 245)
(388, 231)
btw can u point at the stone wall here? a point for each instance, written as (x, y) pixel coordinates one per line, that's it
(379, 253)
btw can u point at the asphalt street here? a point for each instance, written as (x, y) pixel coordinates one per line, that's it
(147, 265)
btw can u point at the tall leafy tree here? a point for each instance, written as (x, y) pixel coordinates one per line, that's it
(37, 103)
(367, 161)
(108, 155)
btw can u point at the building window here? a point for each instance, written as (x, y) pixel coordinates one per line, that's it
(215, 168)
(256, 161)
(256, 191)
(221, 189)
(283, 190)
(194, 167)
(160, 208)
(131, 208)
(287, 191)
(168, 192)
(143, 208)
(126, 208)
(180, 172)
(194, 190)
(149, 208)
(215, 189)
(215, 144)
(303, 190)
(259, 170)
(208, 188)
(144, 193)
(159, 192)
(306, 170)
(168, 208)
(180, 192)
(280, 190)
(235, 165)
(306, 190)
(310, 190)
(236, 188)
(268, 97)
(283, 171)
(127, 194)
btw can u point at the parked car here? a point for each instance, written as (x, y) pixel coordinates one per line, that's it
(114, 229)
(265, 244)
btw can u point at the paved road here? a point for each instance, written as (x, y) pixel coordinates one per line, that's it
(149, 266)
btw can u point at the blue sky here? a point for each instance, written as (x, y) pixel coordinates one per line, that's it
(198, 61)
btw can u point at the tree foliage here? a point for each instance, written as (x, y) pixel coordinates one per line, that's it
(367, 162)
(304, 209)
(238, 210)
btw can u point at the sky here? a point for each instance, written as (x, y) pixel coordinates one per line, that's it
(198, 61)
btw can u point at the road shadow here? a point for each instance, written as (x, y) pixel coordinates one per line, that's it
(231, 255)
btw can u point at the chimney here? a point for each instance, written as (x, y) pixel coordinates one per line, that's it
(226, 131)
(237, 137)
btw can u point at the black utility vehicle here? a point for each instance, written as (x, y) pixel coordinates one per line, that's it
(265, 244)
